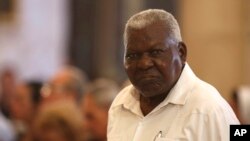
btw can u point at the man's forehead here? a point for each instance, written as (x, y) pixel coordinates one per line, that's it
(146, 41)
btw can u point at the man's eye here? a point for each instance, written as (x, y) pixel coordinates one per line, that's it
(156, 52)
(131, 56)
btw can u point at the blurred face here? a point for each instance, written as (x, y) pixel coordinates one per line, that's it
(7, 80)
(153, 61)
(21, 104)
(60, 87)
(95, 118)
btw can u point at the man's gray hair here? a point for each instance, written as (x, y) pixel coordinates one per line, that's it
(150, 16)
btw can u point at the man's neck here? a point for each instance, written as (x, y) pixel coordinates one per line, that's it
(147, 104)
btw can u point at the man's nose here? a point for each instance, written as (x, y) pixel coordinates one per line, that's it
(145, 62)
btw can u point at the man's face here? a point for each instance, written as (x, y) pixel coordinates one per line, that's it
(60, 87)
(152, 61)
(21, 104)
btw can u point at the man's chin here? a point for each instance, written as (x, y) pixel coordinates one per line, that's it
(149, 92)
(149, 86)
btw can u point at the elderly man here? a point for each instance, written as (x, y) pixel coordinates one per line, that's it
(166, 101)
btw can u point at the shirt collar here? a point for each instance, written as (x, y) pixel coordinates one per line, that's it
(179, 93)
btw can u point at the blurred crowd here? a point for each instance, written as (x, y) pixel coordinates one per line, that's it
(68, 107)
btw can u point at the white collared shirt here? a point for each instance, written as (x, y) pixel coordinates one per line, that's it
(192, 111)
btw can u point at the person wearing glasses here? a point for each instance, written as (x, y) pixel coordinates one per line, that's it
(69, 83)
(166, 100)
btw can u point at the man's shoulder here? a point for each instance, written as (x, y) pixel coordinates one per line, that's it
(122, 96)
(206, 99)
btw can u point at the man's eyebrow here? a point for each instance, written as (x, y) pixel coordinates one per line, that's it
(129, 49)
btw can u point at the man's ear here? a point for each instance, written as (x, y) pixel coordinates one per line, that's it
(182, 51)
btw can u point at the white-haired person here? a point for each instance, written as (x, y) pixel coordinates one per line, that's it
(95, 106)
(166, 100)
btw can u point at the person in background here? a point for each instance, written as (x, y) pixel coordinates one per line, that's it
(66, 86)
(166, 100)
(7, 132)
(241, 103)
(58, 121)
(23, 106)
(8, 80)
(95, 105)
(68, 83)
